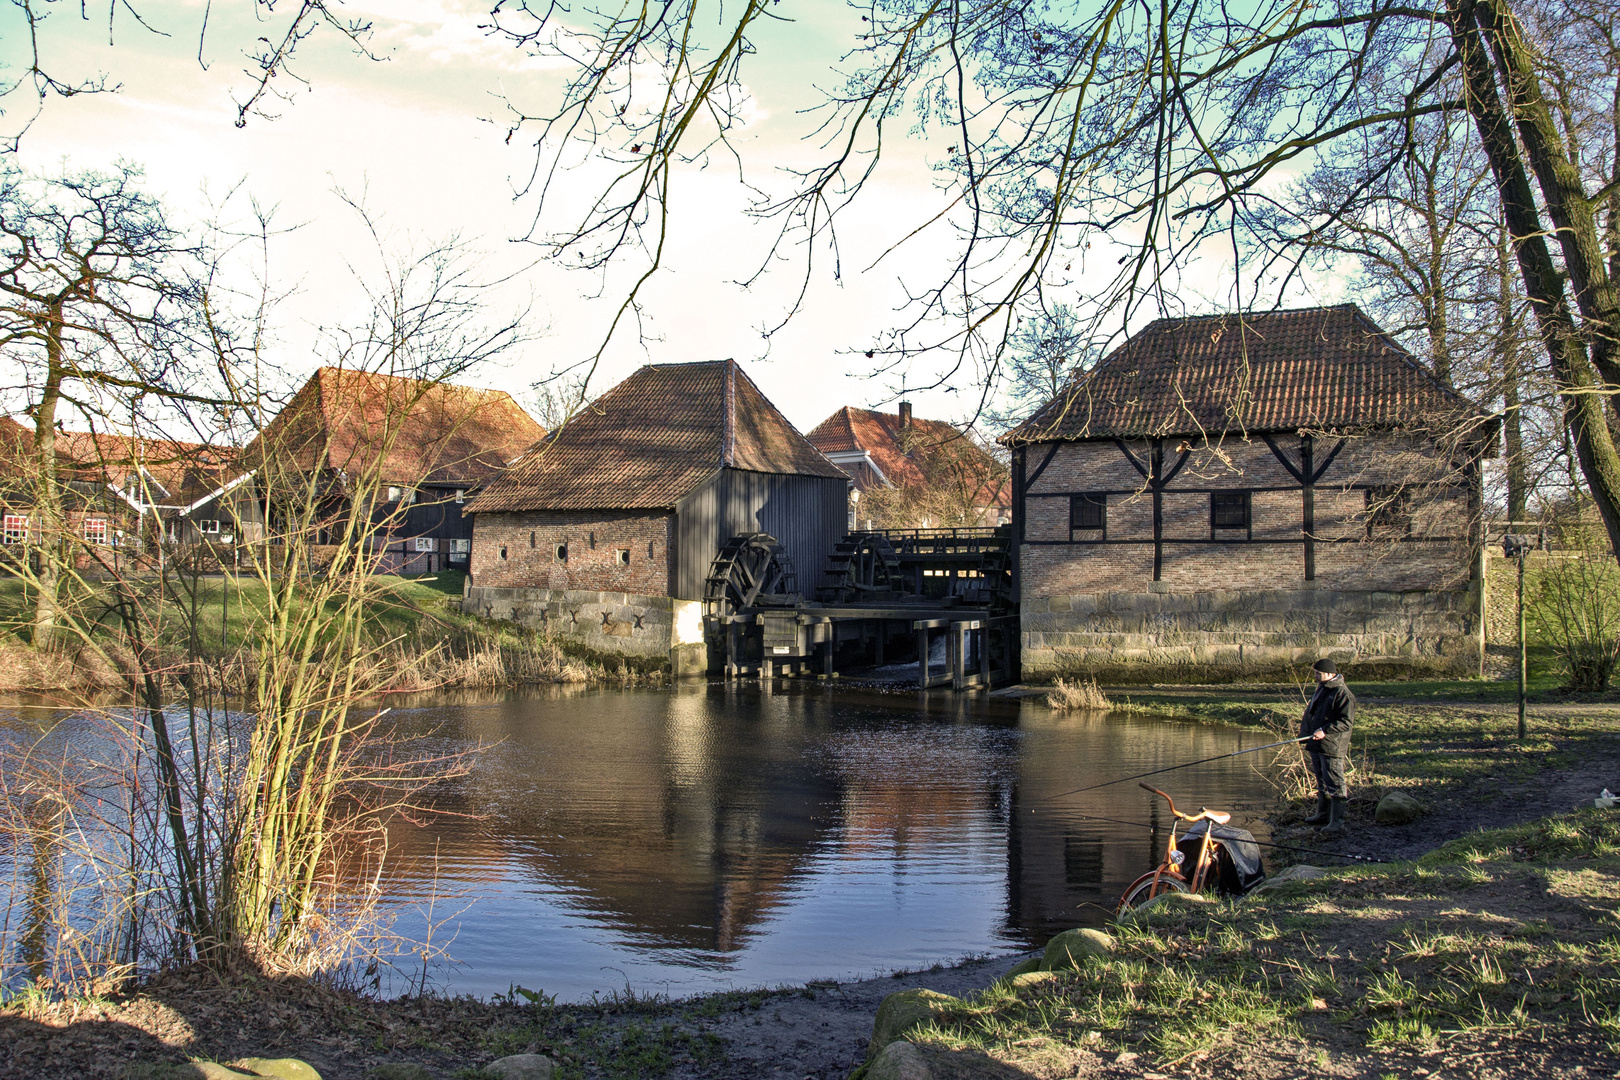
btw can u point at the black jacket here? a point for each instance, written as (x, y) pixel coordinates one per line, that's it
(1333, 709)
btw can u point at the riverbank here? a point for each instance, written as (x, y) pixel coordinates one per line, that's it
(1494, 956)
(424, 642)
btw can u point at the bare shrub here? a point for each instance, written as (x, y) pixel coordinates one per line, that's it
(1576, 607)
(1080, 694)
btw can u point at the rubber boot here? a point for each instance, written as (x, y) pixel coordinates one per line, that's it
(1321, 816)
(1335, 825)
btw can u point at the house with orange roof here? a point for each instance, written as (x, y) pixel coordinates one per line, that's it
(606, 533)
(413, 450)
(913, 473)
(119, 491)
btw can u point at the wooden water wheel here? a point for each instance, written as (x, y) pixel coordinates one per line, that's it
(751, 570)
(865, 566)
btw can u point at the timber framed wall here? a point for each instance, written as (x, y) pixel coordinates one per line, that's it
(1173, 559)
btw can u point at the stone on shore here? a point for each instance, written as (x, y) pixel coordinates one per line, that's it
(1398, 808)
(900, 1012)
(901, 1060)
(1169, 903)
(1069, 950)
(521, 1067)
(1288, 875)
(207, 1070)
(1023, 967)
(279, 1068)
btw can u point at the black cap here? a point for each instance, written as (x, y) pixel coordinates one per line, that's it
(1326, 666)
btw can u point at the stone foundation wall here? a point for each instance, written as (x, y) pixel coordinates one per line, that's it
(1218, 636)
(654, 632)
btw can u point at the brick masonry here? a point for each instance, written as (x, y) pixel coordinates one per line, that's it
(603, 551)
(606, 592)
(1236, 602)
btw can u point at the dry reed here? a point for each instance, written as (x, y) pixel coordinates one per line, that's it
(1081, 694)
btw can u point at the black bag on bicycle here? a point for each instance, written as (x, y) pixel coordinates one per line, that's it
(1237, 857)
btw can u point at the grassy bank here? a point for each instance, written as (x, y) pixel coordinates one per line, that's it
(423, 641)
(1500, 948)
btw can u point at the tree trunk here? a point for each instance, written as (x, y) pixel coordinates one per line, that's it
(1582, 391)
(46, 515)
(1518, 495)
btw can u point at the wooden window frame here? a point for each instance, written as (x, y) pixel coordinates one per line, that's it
(1216, 511)
(1080, 507)
(16, 529)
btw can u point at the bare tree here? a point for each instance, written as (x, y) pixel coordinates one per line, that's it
(99, 303)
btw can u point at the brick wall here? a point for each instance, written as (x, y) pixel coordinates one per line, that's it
(1237, 601)
(519, 550)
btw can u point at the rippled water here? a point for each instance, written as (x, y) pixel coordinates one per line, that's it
(721, 836)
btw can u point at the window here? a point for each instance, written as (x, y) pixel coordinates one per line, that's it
(1229, 509)
(16, 529)
(208, 525)
(1389, 512)
(560, 552)
(426, 543)
(503, 553)
(622, 556)
(459, 549)
(95, 531)
(1088, 511)
(403, 496)
(393, 494)
(461, 496)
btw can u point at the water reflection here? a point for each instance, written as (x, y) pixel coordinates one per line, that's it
(717, 836)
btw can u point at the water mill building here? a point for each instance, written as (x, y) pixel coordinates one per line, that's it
(607, 533)
(1232, 495)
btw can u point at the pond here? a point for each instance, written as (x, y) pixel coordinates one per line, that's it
(725, 836)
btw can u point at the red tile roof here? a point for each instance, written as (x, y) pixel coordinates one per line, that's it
(410, 430)
(653, 439)
(898, 451)
(176, 472)
(1315, 368)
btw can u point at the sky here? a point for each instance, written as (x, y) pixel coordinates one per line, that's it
(420, 135)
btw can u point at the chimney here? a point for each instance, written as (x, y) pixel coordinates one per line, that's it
(905, 415)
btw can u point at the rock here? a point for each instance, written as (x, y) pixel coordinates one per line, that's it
(1069, 949)
(902, 1011)
(401, 1070)
(1297, 872)
(1171, 903)
(1030, 979)
(280, 1068)
(208, 1070)
(899, 1061)
(1398, 808)
(521, 1067)
(1023, 967)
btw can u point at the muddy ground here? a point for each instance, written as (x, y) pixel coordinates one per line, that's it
(816, 1032)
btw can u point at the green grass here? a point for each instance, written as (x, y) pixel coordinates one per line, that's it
(228, 609)
(1389, 957)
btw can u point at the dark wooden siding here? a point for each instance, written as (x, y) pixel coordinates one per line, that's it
(807, 514)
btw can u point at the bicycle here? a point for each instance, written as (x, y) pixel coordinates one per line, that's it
(1226, 859)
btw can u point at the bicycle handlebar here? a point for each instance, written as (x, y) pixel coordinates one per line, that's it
(1219, 817)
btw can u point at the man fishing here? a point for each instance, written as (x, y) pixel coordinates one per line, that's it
(1326, 727)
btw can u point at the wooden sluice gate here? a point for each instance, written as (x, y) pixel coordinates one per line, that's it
(885, 592)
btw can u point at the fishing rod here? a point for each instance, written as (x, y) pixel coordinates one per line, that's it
(1173, 768)
(1259, 843)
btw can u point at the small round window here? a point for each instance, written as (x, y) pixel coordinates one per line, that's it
(503, 554)
(561, 552)
(622, 556)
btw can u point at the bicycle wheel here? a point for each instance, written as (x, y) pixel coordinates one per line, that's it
(1145, 888)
